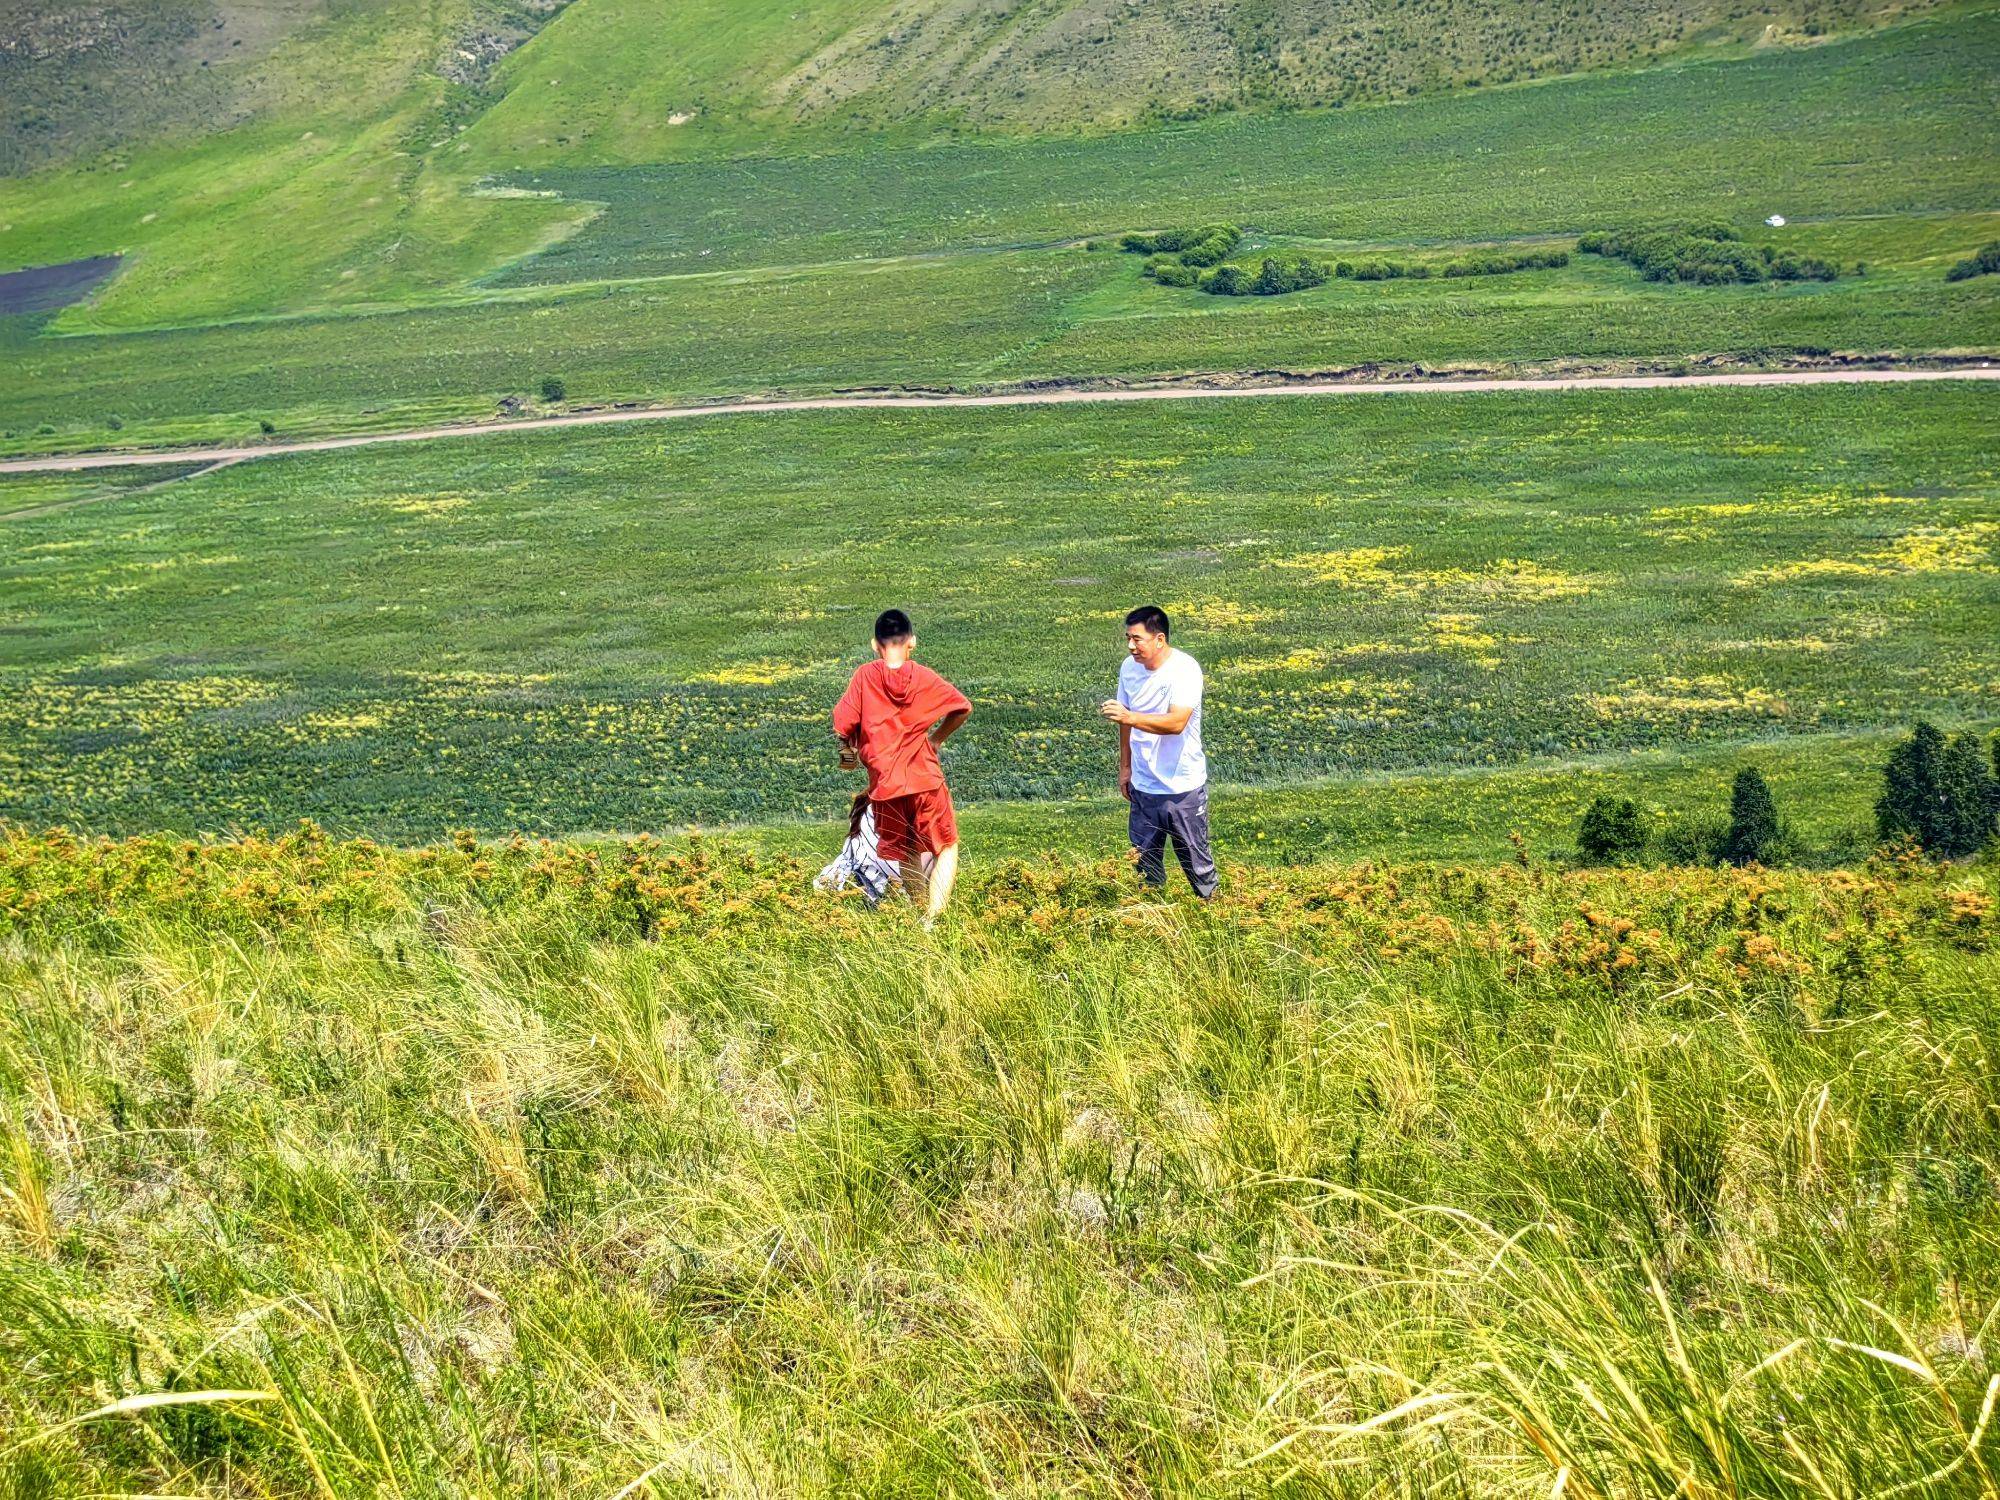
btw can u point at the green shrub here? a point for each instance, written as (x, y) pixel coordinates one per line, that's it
(1708, 253)
(1281, 274)
(1226, 281)
(1791, 267)
(1173, 273)
(1753, 832)
(266, 426)
(1503, 265)
(1939, 793)
(1216, 242)
(1613, 830)
(1690, 841)
(1202, 240)
(554, 389)
(1984, 262)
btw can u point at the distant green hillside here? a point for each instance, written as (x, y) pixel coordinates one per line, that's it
(612, 80)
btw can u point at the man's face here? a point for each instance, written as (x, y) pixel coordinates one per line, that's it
(1146, 647)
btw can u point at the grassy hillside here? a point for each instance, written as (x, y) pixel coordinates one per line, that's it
(614, 83)
(1894, 123)
(83, 84)
(387, 207)
(1366, 1180)
(645, 627)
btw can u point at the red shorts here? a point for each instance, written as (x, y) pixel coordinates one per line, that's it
(921, 823)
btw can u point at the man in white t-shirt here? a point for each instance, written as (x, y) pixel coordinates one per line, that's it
(1161, 769)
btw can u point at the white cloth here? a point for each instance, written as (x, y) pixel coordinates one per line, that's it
(860, 863)
(1163, 764)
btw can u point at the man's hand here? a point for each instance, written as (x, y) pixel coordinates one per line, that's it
(1125, 785)
(1116, 712)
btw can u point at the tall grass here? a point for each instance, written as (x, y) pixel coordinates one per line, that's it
(1364, 1182)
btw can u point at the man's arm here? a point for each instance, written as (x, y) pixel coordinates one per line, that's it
(948, 726)
(1173, 721)
(1125, 762)
(847, 714)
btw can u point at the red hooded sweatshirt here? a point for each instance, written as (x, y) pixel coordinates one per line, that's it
(890, 712)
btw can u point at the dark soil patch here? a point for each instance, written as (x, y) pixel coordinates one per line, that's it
(44, 288)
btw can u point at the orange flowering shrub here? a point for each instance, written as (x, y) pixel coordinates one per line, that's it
(1625, 931)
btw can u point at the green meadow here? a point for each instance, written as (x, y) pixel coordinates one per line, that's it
(544, 1169)
(427, 1071)
(960, 262)
(644, 628)
(964, 320)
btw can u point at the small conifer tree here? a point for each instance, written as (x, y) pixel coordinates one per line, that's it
(1753, 820)
(1939, 793)
(1967, 795)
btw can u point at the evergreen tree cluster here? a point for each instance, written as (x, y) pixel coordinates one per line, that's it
(1706, 252)
(1941, 794)
(1944, 794)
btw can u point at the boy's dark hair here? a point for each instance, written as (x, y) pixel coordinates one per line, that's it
(1152, 617)
(892, 627)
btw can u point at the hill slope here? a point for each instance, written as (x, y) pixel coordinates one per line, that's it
(616, 80)
(609, 83)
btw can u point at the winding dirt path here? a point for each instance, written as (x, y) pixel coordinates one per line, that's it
(1058, 396)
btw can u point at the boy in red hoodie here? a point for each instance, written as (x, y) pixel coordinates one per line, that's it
(894, 715)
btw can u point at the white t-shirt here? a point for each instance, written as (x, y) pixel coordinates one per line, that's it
(1165, 763)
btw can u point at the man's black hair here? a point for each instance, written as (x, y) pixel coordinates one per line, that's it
(1152, 617)
(893, 627)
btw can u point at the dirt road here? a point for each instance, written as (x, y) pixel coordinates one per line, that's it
(1058, 396)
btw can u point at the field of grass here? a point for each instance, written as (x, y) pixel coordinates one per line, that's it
(639, 629)
(962, 320)
(548, 1170)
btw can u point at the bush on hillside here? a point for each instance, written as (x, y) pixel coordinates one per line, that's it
(1215, 243)
(1613, 830)
(554, 388)
(1985, 262)
(1791, 266)
(1200, 240)
(1753, 833)
(1707, 253)
(1291, 273)
(1503, 265)
(1227, 281)
(1173, 273)
(1274, 276)
(1939, 792)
